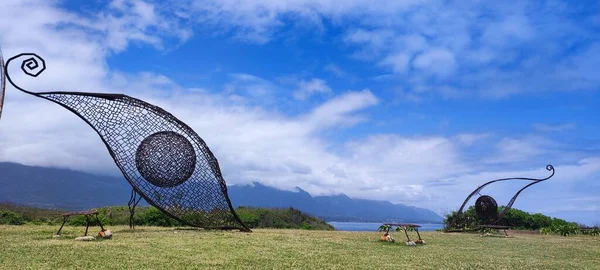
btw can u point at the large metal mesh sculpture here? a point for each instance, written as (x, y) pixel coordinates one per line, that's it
(162, 158)
(486, 207)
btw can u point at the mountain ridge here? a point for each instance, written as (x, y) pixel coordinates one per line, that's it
(57, 188)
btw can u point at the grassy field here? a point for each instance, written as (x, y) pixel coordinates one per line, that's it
(32, 247)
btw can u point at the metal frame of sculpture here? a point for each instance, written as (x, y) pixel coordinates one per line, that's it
(161, 157)
(133, 202)
(486, 207)
(2, 82)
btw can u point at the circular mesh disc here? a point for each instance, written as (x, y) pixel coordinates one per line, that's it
(486, 208)
(165, 159)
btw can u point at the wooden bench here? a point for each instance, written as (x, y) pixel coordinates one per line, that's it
(87, 219)
(497, 227)
(405, 227)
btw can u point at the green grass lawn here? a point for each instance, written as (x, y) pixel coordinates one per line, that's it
(32, 247)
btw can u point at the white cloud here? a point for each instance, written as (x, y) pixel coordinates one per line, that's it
(471, 138)
(483, 48)
(336, 70)
(399, 62)
(259, 21)
(250, 85)
(376, 40)
(337, 110)
(513, 150)
(137, 21)
(308, 88)
(509, 30)
(438, 61)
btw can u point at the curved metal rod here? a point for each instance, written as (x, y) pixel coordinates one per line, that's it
(31, 64)
(2, 82)
(512, 201)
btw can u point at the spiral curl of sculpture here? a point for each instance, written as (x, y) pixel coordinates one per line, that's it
(486, 207)
(160, 156)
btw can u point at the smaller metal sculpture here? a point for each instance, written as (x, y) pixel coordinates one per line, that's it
(486, 207)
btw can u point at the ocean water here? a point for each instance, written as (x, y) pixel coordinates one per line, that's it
(372, 226)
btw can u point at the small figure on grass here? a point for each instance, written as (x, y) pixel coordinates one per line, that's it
(387, 237)
(105, 234)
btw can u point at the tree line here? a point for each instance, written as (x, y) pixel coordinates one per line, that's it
(521, 220)
(288, 218)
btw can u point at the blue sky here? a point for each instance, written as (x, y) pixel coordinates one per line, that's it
(415, 102)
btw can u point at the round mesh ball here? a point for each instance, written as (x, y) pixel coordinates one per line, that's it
(486, 208)
(165, 159)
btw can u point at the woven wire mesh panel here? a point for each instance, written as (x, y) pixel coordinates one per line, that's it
(164, 160)
(160, 156)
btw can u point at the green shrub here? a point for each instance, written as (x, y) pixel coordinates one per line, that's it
(568, 229)
(515, 218)
(248, 216)
(562, 227)
(80, 221)
(154, 217)
(151, 216)
(11, 218)
(594, 232)
(384, 228)
(32, 214)
(286, 218)
(547, 230)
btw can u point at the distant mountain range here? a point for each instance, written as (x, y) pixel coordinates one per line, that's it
(331, 208)
(73, 190)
